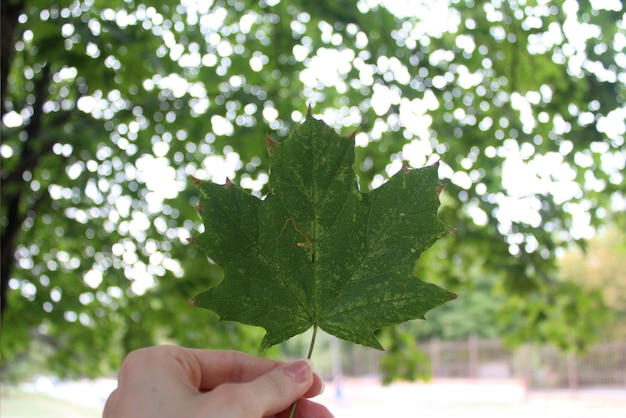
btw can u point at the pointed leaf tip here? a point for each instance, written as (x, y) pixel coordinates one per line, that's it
(308, 110)
(440, 189)
(196, 181)
(352, 136)
(454, 296)
(191, 240)
(405, 167)
(192, 302)
(198, 208)
(270, 142)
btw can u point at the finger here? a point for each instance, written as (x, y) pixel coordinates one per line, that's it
(268, 394)
(222, 366)
(218, 367)
(317, 387)
(202, 369)
(156, 362)
(307, 409)
(205, 369)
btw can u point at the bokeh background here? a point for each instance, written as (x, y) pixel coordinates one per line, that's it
(109, 106)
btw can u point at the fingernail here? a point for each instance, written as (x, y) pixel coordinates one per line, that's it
(300, 370)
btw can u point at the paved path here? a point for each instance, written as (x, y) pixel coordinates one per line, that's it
(469, 399)
(453, 398)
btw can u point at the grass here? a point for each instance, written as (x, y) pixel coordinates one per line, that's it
(18, 404)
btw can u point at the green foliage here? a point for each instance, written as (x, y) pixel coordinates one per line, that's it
(600, 268)
(95, 92)
(541, 317)
(316, 252)
(403, 360)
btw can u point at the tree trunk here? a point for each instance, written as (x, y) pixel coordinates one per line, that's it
(10, 13)
(12, 183)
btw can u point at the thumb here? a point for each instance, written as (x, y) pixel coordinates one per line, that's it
(274, 391)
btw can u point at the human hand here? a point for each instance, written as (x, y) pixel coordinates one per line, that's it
(172, 382)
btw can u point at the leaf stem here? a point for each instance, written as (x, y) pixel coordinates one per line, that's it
(311, 346)
(313, 337)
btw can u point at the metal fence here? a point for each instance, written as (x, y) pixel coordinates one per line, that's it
(604, 365)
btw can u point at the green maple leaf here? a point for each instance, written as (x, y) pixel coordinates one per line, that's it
(316, 252)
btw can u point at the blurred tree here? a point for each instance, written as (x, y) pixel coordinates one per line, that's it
(107, 107)
(601, 266)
